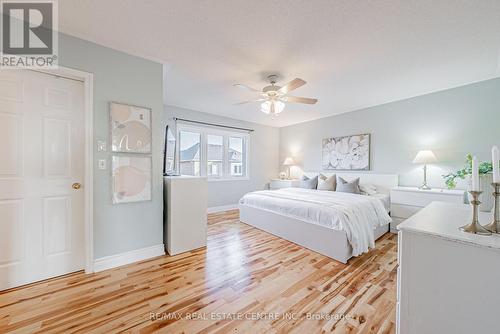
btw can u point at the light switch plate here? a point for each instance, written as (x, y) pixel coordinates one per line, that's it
(102, 164)
(101, 146)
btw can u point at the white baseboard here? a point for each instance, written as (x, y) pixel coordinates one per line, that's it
(221, 208)
(122, 259)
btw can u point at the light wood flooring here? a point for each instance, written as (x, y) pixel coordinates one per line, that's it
(245, 281)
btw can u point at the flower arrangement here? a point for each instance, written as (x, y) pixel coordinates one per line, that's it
(485, 167)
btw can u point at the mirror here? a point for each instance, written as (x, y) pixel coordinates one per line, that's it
(169, 153)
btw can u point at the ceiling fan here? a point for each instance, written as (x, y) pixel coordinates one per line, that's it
(274, 97)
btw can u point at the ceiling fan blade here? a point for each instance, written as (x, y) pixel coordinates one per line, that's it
(247, 87)
(294, 84)
(296, 99)
(245, 102)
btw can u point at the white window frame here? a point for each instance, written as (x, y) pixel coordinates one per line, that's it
(208, 130)
(177, 149)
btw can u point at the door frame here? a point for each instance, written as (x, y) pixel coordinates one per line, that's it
(88, 186)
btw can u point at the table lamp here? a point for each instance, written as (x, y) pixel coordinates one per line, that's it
(288, 162)
(425, 157)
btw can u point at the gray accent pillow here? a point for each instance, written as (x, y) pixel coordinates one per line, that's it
(348, 187)
(327, 183)
(309, 183)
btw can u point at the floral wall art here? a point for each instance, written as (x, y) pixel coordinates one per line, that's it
(346, 153)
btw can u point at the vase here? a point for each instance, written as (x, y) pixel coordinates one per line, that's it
(486, 198)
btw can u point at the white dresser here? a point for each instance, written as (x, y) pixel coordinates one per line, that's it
(280, 184)
(406, 201)
(185, 215)
(448, 280)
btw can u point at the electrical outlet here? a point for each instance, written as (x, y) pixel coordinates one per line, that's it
(101, 146)
(102, 164)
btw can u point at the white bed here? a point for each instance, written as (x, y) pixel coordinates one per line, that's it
(327, 222)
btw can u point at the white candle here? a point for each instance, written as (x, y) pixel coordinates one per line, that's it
(475, 175)
(494, 160)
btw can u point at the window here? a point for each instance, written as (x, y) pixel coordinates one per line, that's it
(189, 153)
(236, 156)
(214, 153)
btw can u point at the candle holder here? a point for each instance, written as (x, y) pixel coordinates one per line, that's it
(494, 226)
(474, 227)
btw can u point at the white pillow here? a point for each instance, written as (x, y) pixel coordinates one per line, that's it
(368, 189)
(327, 183)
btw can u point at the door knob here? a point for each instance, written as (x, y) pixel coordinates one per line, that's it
(76, 186)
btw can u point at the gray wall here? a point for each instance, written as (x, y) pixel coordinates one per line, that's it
(264, 153)
(123, 78)
(452, 123)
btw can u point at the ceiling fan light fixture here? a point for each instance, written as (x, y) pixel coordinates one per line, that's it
(275, 97)
(266, 107)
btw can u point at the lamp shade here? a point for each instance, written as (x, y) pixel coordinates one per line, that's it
(288, 162)
(272, 107)
(425, 157)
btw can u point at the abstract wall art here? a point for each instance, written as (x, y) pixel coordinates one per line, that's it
(131, 178)
(130, 128)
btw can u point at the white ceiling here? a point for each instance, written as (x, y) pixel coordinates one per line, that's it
(353, 54)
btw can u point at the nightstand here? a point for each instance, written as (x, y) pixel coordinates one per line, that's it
(280, 184)
(406, 201)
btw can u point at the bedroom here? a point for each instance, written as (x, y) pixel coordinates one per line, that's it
(301, 130)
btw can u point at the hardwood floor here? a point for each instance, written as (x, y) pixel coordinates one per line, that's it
(274, 286)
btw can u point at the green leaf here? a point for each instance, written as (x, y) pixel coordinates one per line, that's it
(484, 167)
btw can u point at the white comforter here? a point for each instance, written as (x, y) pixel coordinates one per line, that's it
(357, 215)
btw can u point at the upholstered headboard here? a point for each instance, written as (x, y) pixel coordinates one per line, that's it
(383, 182)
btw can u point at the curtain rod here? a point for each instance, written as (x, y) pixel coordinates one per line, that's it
(212, 124)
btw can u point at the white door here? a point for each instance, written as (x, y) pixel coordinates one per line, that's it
(41, 163)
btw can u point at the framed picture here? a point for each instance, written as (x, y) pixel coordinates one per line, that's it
(131, 178)
(130, 128)
(346, 153)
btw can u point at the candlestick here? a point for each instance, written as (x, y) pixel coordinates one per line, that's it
(495, 157)
(475, 175)
(494, 226)
(474, 227)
